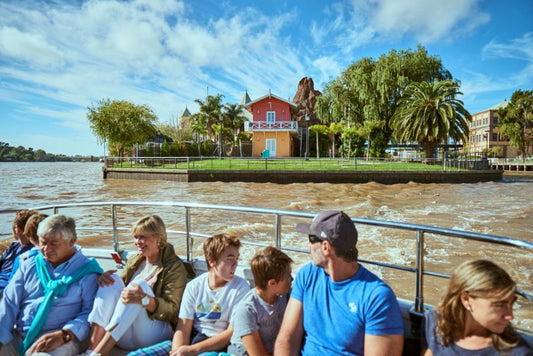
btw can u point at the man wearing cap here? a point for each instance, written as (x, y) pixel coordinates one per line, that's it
(337, 306)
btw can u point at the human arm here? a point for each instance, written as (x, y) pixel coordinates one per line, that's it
(182, 336)
(383, 345)
(79, 325)
(105, 278)
(213, 343)
(169, 291)
(289, 340)
(50, 341)
(426, 352)
(254, 345)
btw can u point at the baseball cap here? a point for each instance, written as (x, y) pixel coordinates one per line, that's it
(333, 226)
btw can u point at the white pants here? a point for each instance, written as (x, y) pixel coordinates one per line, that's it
(134, 329)
(71, 348)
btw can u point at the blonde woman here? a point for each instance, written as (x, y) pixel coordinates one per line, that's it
(141, 308)
(474, 316)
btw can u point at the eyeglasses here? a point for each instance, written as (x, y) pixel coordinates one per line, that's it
(314, 239)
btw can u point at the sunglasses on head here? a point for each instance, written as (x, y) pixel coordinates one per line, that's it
(314, 239)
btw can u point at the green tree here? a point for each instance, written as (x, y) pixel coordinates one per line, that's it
(121, 123)
(335, 128)
(514, 120)
(369, 127)
(430, 113)
(369, 90)
(318, 130)
(234, 115)
(210, 109)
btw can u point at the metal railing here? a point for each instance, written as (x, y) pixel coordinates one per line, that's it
(278, 215)
(266, 125)
(299, 163)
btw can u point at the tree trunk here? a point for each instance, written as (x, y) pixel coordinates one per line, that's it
(317, 148)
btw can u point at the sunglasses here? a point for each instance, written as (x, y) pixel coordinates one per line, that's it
(314, 239)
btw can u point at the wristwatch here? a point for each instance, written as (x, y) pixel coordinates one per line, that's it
(145, 301)
(66, 336)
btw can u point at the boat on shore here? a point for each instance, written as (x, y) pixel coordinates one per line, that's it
(103, 232)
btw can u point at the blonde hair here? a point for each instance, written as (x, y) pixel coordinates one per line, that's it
(478, 278)
(154, 225)
(215, 245)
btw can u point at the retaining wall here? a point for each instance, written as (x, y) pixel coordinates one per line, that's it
(286, 177)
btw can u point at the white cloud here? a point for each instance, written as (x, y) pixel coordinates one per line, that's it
(427, 21)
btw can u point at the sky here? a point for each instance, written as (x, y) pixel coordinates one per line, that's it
(57, 58)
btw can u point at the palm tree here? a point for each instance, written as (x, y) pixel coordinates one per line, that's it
(334, 129)
(211, 108)
(430, 113)
(234, 113)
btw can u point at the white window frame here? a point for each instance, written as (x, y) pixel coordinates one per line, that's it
(271, 117)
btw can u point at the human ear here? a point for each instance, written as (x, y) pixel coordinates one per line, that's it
(465, 299)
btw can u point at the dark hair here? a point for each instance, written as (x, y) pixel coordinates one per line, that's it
(269, 263)
(347, 255)
(22, 217)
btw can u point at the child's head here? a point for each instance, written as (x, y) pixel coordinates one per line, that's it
(215, 246)
(270, 264)
(30, 229)
(20, 221)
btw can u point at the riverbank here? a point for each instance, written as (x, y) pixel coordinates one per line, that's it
(289, 177)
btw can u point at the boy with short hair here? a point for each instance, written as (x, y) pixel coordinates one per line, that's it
(207, 304)
(258, 317)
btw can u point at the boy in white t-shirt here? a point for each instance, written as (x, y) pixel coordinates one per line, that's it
(207, 303)
(258, 316)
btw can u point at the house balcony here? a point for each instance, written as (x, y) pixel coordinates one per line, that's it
(271, 126)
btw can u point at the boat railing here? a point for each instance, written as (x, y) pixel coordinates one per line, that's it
(189, 208)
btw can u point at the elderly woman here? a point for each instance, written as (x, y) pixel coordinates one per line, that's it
(474, 316)
(142, 307)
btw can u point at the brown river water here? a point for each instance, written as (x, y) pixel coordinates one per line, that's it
(498, 208)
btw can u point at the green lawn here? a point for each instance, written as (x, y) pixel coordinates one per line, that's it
(295, 164)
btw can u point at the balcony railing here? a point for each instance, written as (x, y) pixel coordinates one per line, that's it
(274, 126)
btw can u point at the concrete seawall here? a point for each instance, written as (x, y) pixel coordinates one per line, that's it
(287, 177)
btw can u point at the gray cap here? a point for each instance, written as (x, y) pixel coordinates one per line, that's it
(333, 226)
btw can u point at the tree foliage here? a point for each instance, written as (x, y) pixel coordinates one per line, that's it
(10, 153)
(369, 91)
(514, 119)
(121, 123)
(430, 113)
(210, 110)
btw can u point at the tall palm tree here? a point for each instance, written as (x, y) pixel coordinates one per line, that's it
(234, 114)
(211, 108)
(430, 113)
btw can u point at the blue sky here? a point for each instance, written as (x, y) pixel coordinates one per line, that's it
(59, 57)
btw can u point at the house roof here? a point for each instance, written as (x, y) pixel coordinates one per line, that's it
(273, 96)
(245, 99)
(499, 106)
(186, 112)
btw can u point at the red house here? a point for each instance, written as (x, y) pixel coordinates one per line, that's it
(274, 126)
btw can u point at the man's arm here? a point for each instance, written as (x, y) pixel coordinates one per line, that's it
(289, 340)
(383, 345)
